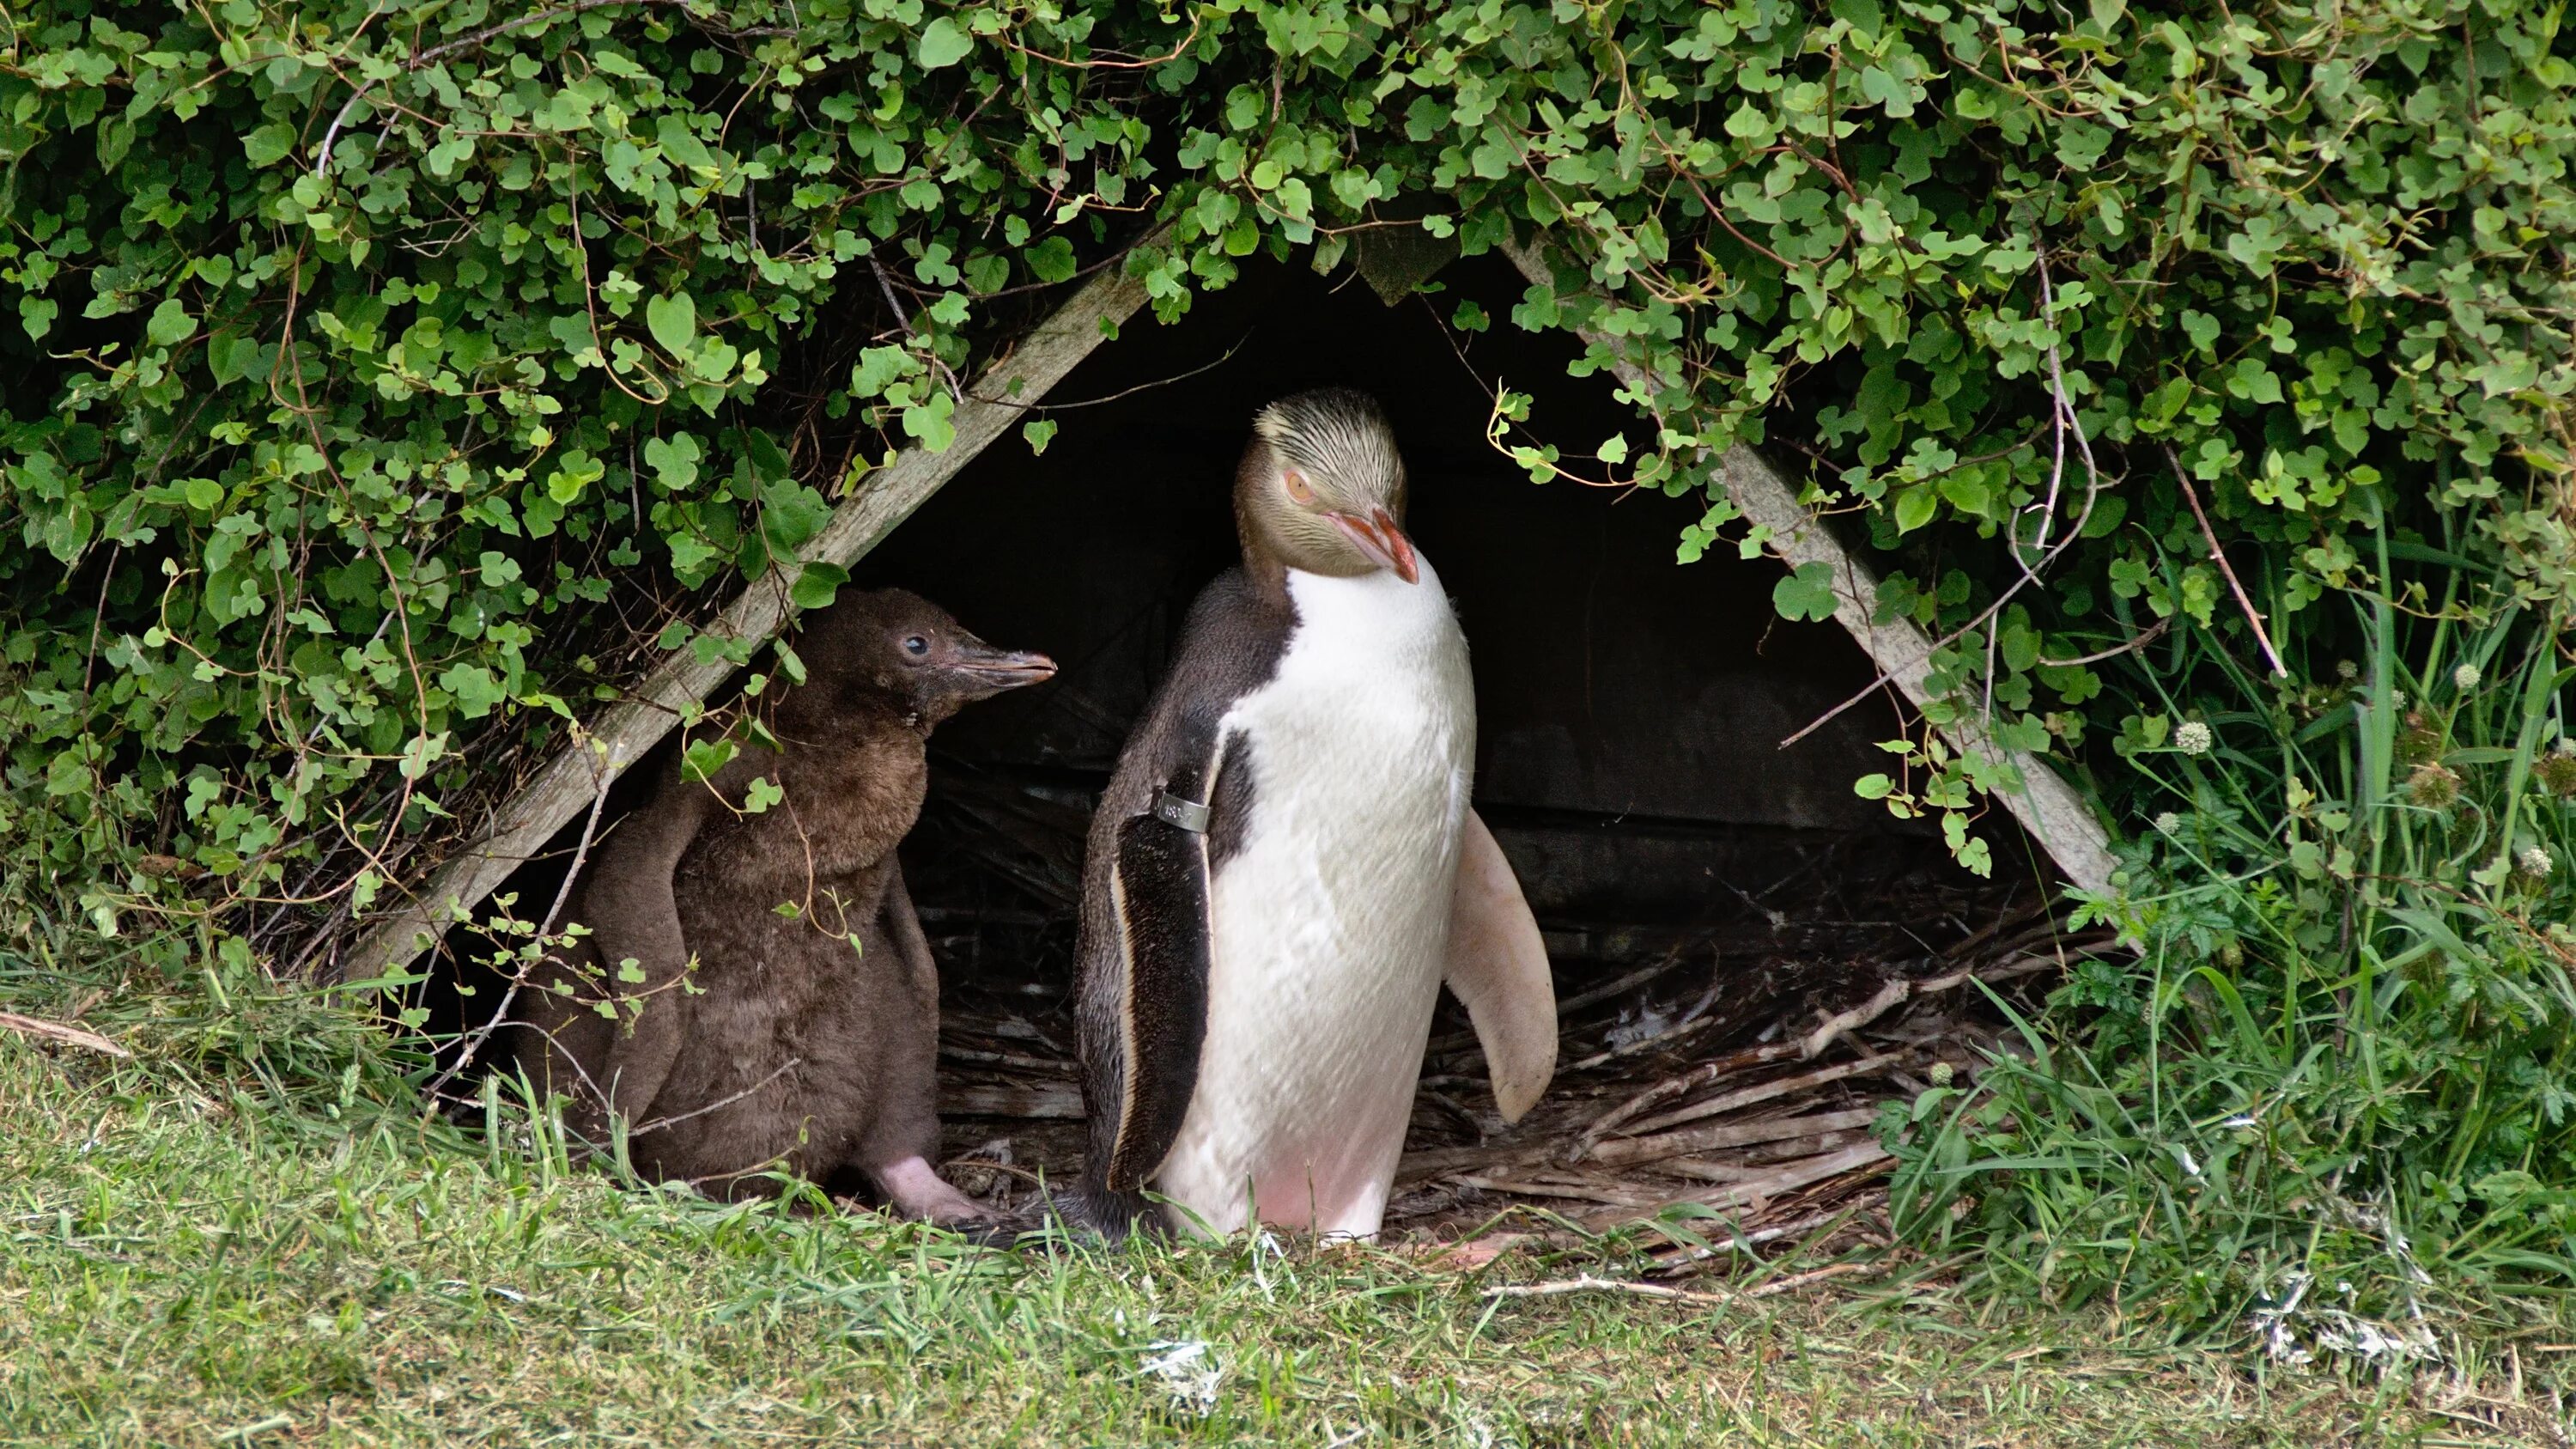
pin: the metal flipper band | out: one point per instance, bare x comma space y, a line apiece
1182, 814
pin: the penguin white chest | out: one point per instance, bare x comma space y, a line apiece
1329, 923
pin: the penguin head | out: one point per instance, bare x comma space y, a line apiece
890, 648
1321, 488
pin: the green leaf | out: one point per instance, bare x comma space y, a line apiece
673, 321
1806, 594
674, 461
476, 692
170, 324
1915, 507
768, 461
205, 494
1039, 432
705, 758
230, 356
1864, 16
1052, 260
681, 144
268, 144
572, 473
818, 584
791, 513
2019, 646
944, 42
760, 795
928, 423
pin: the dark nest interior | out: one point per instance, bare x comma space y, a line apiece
1748, 958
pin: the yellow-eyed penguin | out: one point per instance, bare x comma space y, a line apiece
1284, 867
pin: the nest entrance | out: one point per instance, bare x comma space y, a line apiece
1748, 959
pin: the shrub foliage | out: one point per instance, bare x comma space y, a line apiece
372, 374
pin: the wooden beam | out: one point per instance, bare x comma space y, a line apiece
2045, 804
593, 757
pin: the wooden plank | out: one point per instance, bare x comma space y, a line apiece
2046, 805
594, 757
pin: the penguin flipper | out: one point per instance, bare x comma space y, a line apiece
1497, 966
635, 916
1159, 894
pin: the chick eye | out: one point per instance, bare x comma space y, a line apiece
1299, 491
916, 646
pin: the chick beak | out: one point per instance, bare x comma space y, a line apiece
1381, 541
1000, 669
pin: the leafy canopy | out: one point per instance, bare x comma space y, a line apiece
377, 381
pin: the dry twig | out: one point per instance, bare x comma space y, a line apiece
2218, 556
1589, 1284
68, 1035
658, 1123
1628, 1151
1803, 1173
606, 764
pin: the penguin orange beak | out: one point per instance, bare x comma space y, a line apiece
1381, 541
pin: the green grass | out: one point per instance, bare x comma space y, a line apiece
247, 1235
2336, 1087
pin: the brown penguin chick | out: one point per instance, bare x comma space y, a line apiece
807, 1036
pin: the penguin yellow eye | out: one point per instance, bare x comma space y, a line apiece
1299, 491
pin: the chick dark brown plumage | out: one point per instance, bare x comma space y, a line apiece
806, 1038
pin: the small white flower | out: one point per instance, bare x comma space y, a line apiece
1942, 1072
2346, 669
2168, 823
2565, 746
2466, 677
2536, 863
2194, 738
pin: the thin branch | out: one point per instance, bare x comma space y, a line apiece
501, 1013
1589, 1284
1146, 64
885, 284
2218, 556
2030, 575
2143, 638
658, 1123
1049, 405
1796, 1281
